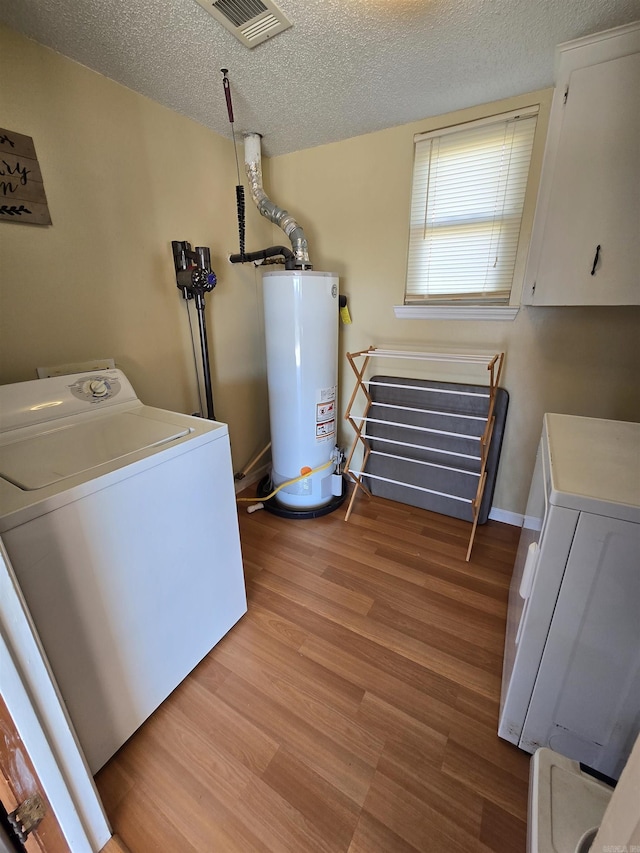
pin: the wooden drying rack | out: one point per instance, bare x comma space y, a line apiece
493, 364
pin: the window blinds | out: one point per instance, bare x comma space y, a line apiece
469, 185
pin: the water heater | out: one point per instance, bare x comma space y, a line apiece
301, 331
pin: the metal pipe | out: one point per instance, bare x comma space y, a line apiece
262, 255
280, 217
206, 373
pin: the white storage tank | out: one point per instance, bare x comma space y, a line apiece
301, 331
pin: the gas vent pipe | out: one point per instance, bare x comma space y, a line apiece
298, 256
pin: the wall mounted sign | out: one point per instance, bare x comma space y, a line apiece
22, 197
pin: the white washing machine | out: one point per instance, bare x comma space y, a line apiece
120, 522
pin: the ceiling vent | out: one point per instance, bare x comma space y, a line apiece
251, 21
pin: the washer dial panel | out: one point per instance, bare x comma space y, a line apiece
95, 388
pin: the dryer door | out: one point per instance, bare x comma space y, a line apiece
587, 693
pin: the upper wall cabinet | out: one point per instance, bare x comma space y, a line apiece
585, 245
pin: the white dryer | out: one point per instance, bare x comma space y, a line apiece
120, 522
571, 674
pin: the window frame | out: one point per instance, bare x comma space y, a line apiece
538, 102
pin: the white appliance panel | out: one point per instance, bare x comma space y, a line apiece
45, 401
131, 589
594, 465
586, 700
528, 624
571, 676
132, 569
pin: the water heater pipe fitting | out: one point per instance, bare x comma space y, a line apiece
280, 217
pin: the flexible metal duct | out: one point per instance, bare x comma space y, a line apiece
280, 217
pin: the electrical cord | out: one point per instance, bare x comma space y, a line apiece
289, 483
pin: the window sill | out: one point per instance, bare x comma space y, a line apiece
456, 312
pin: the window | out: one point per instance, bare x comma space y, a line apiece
469, 185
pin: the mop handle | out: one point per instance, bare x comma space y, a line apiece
227, 93
239, 187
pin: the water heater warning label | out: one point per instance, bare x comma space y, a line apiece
325, 395
325, 413
326, 429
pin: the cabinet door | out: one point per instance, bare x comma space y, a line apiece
594, 199
586, 699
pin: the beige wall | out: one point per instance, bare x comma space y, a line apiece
124, 177
352, 199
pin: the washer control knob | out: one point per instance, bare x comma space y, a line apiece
97, 388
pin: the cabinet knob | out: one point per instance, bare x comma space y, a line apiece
595, 260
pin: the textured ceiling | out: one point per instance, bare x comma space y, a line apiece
346, 67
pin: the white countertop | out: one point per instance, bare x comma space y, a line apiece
594, 462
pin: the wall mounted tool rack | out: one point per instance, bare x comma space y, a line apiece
460, 452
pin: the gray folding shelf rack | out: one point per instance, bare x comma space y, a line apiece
427, 443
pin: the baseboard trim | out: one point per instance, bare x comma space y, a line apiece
514, 518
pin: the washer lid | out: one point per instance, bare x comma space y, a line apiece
44, 459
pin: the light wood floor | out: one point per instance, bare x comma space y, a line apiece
354, 708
